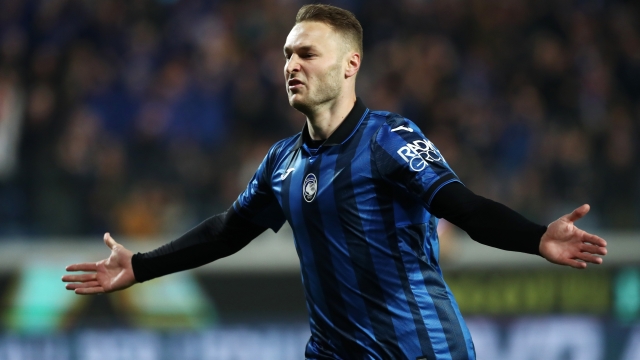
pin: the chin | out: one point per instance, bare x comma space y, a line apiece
298, 103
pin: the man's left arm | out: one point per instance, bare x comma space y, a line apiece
405, 157
496, 225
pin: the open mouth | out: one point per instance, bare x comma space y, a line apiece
294, 83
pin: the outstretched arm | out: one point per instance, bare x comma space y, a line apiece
215, 238
494, 224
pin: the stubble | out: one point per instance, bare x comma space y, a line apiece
326, 88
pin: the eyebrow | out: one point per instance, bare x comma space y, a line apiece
303, 48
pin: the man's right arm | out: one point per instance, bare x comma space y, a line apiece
217, 237
256, 210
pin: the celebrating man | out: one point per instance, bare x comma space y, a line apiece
362, 191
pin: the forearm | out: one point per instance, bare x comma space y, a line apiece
217, 237
487, 221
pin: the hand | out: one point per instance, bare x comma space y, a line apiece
108, 275
564, 244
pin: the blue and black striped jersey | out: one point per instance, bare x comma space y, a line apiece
368, 247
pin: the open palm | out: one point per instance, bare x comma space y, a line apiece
108, 275
566, 244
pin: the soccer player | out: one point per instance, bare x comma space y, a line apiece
362, 191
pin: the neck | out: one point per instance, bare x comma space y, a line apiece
325, 119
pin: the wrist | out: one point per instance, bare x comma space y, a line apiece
137, 267
543, 234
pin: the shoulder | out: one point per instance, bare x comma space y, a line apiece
393, 126
389, 118
284, 146
278, 153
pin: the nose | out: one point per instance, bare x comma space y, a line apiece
292, 65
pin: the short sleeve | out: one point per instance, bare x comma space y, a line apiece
257, 203
406, 158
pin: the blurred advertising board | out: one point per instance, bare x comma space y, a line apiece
519, 338
251, 306
533, 314
35, 301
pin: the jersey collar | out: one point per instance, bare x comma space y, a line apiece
344, 130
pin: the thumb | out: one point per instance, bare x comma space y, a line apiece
109, 241
578, 213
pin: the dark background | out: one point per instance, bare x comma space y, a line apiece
145, 117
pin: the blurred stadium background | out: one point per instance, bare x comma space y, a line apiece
144, 117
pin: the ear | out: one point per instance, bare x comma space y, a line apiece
353, 65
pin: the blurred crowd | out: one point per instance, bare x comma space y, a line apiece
145, 117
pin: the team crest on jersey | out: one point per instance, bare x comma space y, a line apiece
419, 153
310, 187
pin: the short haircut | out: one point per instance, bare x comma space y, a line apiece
340, 20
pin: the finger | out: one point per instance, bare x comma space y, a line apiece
82, 267
79, 278
573, 262
82, 285
593, 249
589, 258
109, 241
595, 240
90, 291
578, 213
576, 264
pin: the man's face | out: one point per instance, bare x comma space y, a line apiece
314, 69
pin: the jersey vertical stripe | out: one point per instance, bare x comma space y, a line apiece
386, 208
313, 291
336, 312
340, 255
319, 292
359, 252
